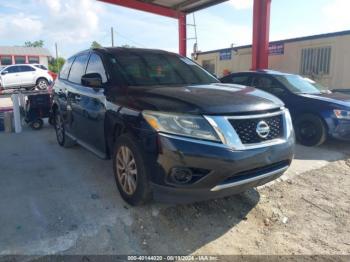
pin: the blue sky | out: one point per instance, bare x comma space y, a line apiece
74, 24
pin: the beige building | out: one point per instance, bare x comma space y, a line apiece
325, 58
10, 55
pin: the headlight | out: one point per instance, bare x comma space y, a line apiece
342, 114
184, 125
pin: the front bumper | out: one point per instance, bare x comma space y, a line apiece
224, 171
341, 130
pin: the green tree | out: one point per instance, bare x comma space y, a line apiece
55, 65
39, 43
95, 44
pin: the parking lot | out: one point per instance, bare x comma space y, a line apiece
64, 201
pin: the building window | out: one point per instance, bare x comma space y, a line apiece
6, 60
315, 61
33, 60
209, 66
20, 59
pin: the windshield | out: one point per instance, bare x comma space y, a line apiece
317, 85
298, 85
147, 69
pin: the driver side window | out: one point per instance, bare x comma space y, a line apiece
268, 84
95, 65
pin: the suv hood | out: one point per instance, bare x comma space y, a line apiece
335, 98
211, 99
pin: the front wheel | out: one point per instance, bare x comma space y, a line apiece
37, 124
310, 130
130, 171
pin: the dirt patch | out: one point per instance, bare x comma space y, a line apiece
307, 215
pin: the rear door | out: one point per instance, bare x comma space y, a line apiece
75, 99
27, 75
61, 88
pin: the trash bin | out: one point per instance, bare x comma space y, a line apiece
2, 127
8, 116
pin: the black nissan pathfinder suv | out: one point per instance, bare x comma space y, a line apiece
174, 131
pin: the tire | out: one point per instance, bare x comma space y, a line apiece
130, 171
42, 84
310, 130
37, 124
62, 139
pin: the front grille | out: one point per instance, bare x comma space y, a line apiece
247, 128
256, 172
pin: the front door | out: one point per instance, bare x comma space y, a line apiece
11, 78
87, 105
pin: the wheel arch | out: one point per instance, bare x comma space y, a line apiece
41, 77
316, 114
114, 127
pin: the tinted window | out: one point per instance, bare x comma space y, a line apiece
267, 84
20, 59
66, 68
238, 79
12, 69
6, 60
95, 65
26, 69
78, 68
33, 59
41, 67
142, 69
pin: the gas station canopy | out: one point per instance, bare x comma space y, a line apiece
178, 9
171, 8
185, 6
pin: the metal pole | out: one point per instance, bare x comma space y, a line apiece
56, 56
112, 36
16, 113
182, 34
261, 29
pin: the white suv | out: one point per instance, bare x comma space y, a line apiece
24, 75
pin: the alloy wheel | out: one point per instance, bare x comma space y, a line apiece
59, 128
126, 170
42, 85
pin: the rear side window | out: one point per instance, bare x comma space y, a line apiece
241, 80
95, 65
78, 68
65, 69
26, 69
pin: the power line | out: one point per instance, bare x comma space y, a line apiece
118, 34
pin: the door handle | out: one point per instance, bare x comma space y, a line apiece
77, 98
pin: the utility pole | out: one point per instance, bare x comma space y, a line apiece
56, 56
112, 36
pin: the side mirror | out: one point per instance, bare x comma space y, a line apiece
93, 80
4, 72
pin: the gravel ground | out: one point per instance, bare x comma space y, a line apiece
309, 215
59, 201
